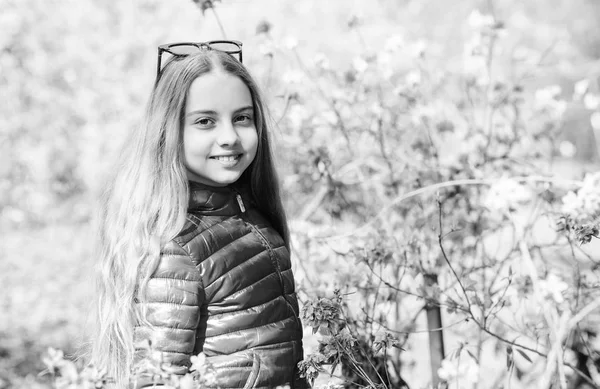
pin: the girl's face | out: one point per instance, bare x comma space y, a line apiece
219, 134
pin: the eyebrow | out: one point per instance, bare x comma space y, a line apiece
214, 113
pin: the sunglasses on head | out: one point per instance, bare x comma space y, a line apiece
182, 49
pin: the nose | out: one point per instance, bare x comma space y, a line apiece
227, 135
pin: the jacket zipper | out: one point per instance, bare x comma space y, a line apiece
266, 243
240, 202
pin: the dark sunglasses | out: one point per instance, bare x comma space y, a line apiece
182, 49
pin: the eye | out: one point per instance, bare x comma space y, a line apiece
243, 119
204, 122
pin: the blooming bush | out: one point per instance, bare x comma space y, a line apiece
431, 194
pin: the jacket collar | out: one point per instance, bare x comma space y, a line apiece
216, 201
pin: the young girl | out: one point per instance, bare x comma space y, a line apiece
194, 245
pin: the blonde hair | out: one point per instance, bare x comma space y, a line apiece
145, 204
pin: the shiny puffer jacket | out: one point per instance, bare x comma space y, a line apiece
224, 286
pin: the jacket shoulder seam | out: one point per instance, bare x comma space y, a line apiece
166, 351
169, 303
189, 255
164, 326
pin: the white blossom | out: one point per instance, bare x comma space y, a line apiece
290, 43
418, 48
292, 76
567, 149
591, 101
267, 49
385, 63
413, 78
506, 193
393, 43
595, 121
421, 113
586, 202
359, 64
459, 373
547, 100
545, 96
553, 288
581, 87
296, 116
478, 20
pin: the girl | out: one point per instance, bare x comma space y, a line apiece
194, 245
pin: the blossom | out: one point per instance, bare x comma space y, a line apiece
553, 288
591, 101
478, 20
296, 116
505, 193
586, 202
290, 43
581, 87
595, 120
359, 64
384, 65
393, 43
459, 373
377, 109
421, 113
267, 49
418, 48
413, 78
547, 100
292, 77
546, 95
567, 149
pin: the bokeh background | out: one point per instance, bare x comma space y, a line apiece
75, 76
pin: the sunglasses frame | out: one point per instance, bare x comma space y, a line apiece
200, 45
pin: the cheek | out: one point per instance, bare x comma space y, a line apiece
194, 144
253, 143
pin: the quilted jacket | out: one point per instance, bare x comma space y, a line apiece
224, 286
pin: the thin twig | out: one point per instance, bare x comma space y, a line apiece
219, 22
440, 242
430, 188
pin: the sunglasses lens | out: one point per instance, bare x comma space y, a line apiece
183, 49
227, 47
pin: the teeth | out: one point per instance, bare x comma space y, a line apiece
227, 158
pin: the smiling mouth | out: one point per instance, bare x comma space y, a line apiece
227, 158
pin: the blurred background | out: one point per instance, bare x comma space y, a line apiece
75, 76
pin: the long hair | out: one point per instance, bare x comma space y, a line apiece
145, 202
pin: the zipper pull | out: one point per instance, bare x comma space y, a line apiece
240, 202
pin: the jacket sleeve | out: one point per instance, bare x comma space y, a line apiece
173, 300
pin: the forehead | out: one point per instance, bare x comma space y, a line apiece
218, 91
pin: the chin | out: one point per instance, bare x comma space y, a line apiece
223, 181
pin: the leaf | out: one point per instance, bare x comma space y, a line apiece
472, 356
377, 346
333, 366
524, 355
509, 361
509, 358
